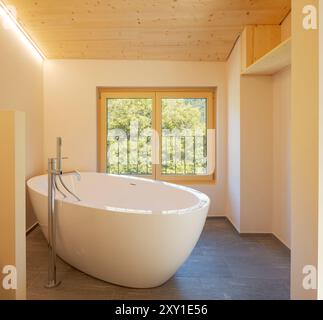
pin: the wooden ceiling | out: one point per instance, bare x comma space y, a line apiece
197, 30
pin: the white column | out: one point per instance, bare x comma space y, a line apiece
320, 232
12, 203
304, 151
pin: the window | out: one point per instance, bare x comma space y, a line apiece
161, 134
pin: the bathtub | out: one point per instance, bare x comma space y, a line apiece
128, 231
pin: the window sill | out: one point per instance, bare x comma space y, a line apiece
189, 181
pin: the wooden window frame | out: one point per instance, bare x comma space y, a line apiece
156, 94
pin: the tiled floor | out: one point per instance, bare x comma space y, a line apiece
224, 265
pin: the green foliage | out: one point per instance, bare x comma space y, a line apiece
178, 116
121, 112
182, 114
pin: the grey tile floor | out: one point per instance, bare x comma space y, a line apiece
224, 265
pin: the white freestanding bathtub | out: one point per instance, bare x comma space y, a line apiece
128, 231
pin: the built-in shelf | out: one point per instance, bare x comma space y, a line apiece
275, 60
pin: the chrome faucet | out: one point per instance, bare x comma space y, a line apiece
74, 173
55, 172
60, 173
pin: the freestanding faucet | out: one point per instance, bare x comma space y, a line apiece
55, 173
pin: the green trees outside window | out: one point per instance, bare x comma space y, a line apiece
183, 141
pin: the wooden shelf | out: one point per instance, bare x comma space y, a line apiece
275, 60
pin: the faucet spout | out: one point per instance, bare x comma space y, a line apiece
67, 189
72, 173
59, 170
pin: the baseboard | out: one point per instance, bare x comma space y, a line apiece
281, 240
255, 233
216, 217
233, 224
33, 227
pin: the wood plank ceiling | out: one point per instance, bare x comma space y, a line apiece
196, 30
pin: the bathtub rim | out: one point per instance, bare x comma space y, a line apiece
203, 200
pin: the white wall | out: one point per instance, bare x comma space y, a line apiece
281, 153
21, 86
256, 153
250, 148
70, 105
320, 232
233, 149
12, 199
304, 150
